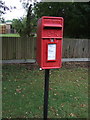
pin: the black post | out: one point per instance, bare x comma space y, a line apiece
46, 88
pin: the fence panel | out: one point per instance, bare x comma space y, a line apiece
18, 49
75, 48
24, 48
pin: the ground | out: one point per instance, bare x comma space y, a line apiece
23, 89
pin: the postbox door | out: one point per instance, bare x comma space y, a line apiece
51, 53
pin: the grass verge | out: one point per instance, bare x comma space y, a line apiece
23, 90
9, 35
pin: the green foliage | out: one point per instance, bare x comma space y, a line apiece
76, 16
25, 26
19, 25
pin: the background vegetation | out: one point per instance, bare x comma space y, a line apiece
76, 17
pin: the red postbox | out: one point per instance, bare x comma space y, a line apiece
49, 42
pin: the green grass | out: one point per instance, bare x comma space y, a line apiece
23, 89
9, 35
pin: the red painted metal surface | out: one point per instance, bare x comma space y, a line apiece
49, 42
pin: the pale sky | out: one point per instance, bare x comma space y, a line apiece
15, 13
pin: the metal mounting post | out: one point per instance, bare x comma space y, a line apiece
46, 89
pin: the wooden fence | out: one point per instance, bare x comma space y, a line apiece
23, 48
75, 48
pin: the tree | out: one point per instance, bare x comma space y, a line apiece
19, 25
76, 16
3, 8
25, 26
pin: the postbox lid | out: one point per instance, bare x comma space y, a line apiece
52, 21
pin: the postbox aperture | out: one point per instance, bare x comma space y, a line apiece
49, 42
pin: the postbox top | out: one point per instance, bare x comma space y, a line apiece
51, 17
52, 21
